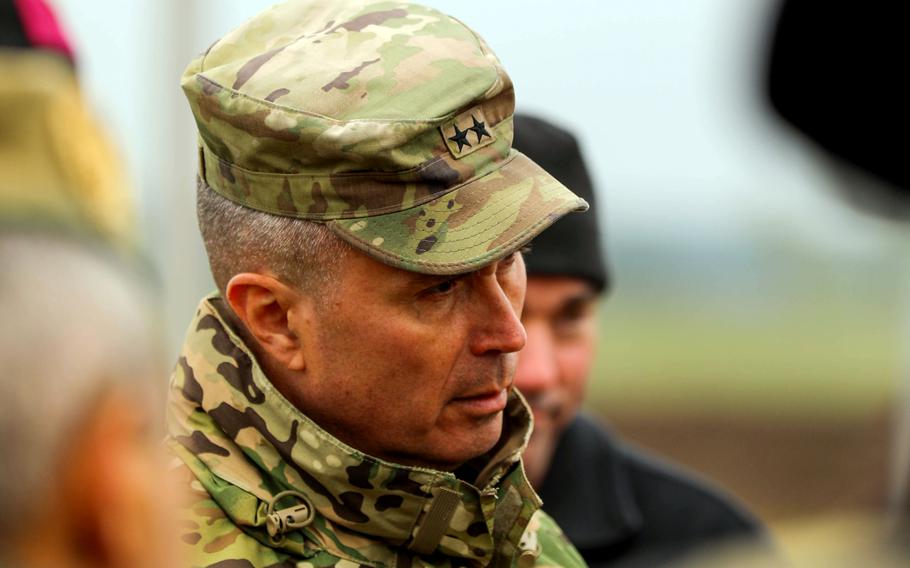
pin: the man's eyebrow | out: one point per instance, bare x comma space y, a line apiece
420, 279
579, 300
417, 279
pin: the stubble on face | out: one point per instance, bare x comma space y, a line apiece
553, 368
413, 369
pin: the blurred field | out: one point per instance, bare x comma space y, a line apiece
770, 370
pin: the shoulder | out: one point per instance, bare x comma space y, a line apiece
617, 502
553, 548
660, 498
676, 501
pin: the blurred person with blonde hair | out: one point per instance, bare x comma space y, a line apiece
81, 473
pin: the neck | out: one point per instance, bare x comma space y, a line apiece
537, 457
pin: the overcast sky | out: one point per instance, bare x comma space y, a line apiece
664, 95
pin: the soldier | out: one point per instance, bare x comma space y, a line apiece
619, 506
344, 398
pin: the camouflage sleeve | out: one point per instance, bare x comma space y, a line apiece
555, 550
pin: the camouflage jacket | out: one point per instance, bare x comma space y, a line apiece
271, 488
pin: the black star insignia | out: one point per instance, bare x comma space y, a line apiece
479, 129
460, 138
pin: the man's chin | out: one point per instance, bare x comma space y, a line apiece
544, 418
451, 448
473, 443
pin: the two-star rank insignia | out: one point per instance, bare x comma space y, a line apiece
467, 133
460, 138
479, 128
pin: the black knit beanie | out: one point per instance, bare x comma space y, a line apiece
571, 247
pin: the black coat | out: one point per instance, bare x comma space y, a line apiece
621, 507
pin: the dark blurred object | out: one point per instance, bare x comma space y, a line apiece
12, 34
834, 73
32, 24
571, 247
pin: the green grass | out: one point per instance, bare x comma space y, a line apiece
822, 354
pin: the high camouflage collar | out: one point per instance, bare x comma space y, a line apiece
246, 444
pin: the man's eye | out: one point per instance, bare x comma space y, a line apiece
566, 329
573, 319
509, 260
573, 315
442, 288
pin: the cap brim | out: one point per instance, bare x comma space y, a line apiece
468, 227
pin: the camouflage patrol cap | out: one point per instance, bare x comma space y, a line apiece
389, 122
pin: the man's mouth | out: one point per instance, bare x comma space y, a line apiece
544, 407
483, 403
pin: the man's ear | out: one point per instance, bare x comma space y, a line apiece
262, 303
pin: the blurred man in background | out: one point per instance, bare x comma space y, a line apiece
619, 506
81, 471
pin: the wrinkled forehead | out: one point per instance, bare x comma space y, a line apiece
364, 271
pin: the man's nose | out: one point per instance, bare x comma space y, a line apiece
499, 328
537, 370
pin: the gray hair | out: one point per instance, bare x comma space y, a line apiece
237, 239
72, 325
